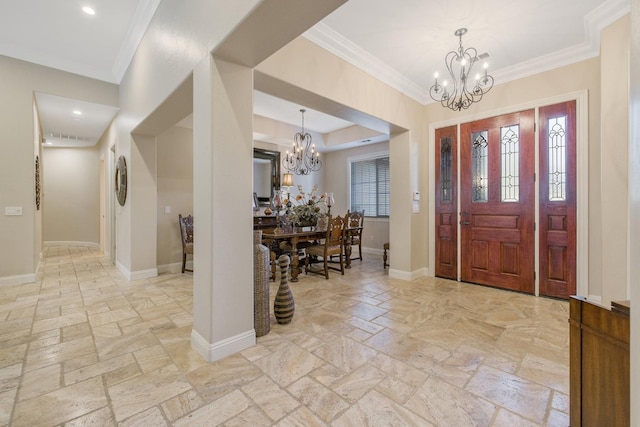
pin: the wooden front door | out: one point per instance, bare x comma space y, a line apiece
558, 200
497, 201
446, 202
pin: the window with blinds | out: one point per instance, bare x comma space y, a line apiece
370, 187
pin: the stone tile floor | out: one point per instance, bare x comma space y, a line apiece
83, 346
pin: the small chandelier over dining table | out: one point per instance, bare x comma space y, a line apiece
304, 158
460, 64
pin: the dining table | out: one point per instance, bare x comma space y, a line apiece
294, 238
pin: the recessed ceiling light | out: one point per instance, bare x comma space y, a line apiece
77, 112
88, 10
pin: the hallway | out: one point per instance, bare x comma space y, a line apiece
83, 346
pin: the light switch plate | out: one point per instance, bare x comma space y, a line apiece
13, 210
167, 209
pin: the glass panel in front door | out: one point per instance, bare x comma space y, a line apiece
510, 163
557, 158
480, 166
445, 168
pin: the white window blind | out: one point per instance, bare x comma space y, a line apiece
370, 187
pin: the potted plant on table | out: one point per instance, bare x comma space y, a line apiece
307, 208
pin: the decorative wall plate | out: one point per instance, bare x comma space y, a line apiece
37, 182
121, 180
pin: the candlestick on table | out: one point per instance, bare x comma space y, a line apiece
330, 202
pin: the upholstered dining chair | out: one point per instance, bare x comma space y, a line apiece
355, 223
332, 245
186, 231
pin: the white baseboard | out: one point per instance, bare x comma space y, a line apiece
136, 275
421, 272
372, 251
144, 274
408, 275
174, 267
17, 280
226, 347
72, 243
124, 270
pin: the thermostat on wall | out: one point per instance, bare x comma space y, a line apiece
13, 210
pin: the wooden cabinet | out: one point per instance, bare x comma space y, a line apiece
599, 364
264, 222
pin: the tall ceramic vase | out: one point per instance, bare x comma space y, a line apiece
284, 305
261, 316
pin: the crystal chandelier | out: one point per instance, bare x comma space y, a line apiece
304, 159
461, 93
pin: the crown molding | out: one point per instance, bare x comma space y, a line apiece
328, 39
139, 24
602, 16
594, 22
554, 60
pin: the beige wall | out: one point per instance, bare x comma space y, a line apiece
18, 81
71, 186
105, 145
175, 190
376, 230
614, 158
634, 211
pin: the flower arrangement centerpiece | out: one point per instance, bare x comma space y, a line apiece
307, 207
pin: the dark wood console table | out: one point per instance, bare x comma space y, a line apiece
264, 222
599, 364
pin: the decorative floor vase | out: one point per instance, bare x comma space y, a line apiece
261, 315
284, 305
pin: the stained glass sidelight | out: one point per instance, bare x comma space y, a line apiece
510, 163
445, 169
557, 158
480, 166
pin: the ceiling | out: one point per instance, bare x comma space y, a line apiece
400, 45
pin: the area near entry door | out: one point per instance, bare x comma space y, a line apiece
497, 204
497, 201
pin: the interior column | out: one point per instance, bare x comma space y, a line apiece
222, 167
401, 219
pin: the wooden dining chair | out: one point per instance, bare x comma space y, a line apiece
333, 245
355, 224
186, 231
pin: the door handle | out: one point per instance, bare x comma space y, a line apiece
462, 217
